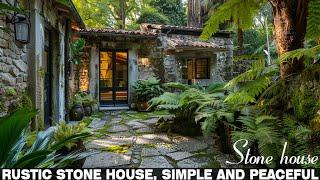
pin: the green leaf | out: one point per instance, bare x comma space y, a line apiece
11, 128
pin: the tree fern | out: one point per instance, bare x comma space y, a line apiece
246, 88
299, 53
260, 131
313, 22
241, 11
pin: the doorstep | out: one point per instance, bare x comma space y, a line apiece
113, 108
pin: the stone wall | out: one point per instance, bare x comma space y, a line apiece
13, 69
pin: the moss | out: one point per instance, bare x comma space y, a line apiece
149, 146
103, 131
212, 164
10, 91
303, 102
119, 149
98, 115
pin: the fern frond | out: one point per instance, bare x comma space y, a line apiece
176, 85
241, 11
313, 21
299, 53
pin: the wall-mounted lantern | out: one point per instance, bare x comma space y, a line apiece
21, 23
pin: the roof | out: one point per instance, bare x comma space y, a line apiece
170, 27
180, 30
65, 8
116, 32
179, 43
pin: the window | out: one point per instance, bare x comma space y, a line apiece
198, 68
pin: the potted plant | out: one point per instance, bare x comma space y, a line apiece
145, 91
65, 131
88, 103
77, 111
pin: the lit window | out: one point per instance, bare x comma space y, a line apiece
198, 68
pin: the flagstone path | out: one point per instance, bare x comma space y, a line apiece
127, 139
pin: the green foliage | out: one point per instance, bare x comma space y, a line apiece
152, 16
313, 21
77, 50
65, 131
260, 131
203, 106
11, 128
312, 53
247, 87
233, 9
41, 151
83, 98
173, 9
147, 89
108, 13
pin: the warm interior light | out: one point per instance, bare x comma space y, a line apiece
145, 62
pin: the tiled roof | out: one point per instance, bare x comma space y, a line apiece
177, 43
115, 32
161, 26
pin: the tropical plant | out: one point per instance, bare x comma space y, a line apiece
152, 16
41, 153
285, 15
76, 48
173, 9
65, 131
147, 89
262, 135
246, 88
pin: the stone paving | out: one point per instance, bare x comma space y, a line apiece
124, 141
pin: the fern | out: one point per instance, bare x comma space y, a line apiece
299, 53
247, 87
175, 85
241, 11
313, 21
260, 131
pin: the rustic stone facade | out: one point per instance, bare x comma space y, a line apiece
152, 54
38, 68
13, 69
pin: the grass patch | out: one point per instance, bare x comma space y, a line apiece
98, 115
212, 164
119, 149
103, 131
149, 146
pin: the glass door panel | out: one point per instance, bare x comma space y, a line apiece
106, 77
113, 78
121, 79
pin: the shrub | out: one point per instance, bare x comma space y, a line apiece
147, 89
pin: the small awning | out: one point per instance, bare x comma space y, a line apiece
176, 43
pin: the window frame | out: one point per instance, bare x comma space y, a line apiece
195, 68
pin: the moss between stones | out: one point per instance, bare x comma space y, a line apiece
119, 149
103, 131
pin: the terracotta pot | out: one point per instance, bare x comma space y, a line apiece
77, 113
87, 110
142, 106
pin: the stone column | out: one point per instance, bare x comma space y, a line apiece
133, 73
35, 61
94, 72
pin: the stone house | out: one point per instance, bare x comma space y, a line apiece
38, 67
116, 59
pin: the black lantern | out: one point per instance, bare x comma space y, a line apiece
22, 28
21, 23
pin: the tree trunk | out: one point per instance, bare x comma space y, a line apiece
290, 21
240, 42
